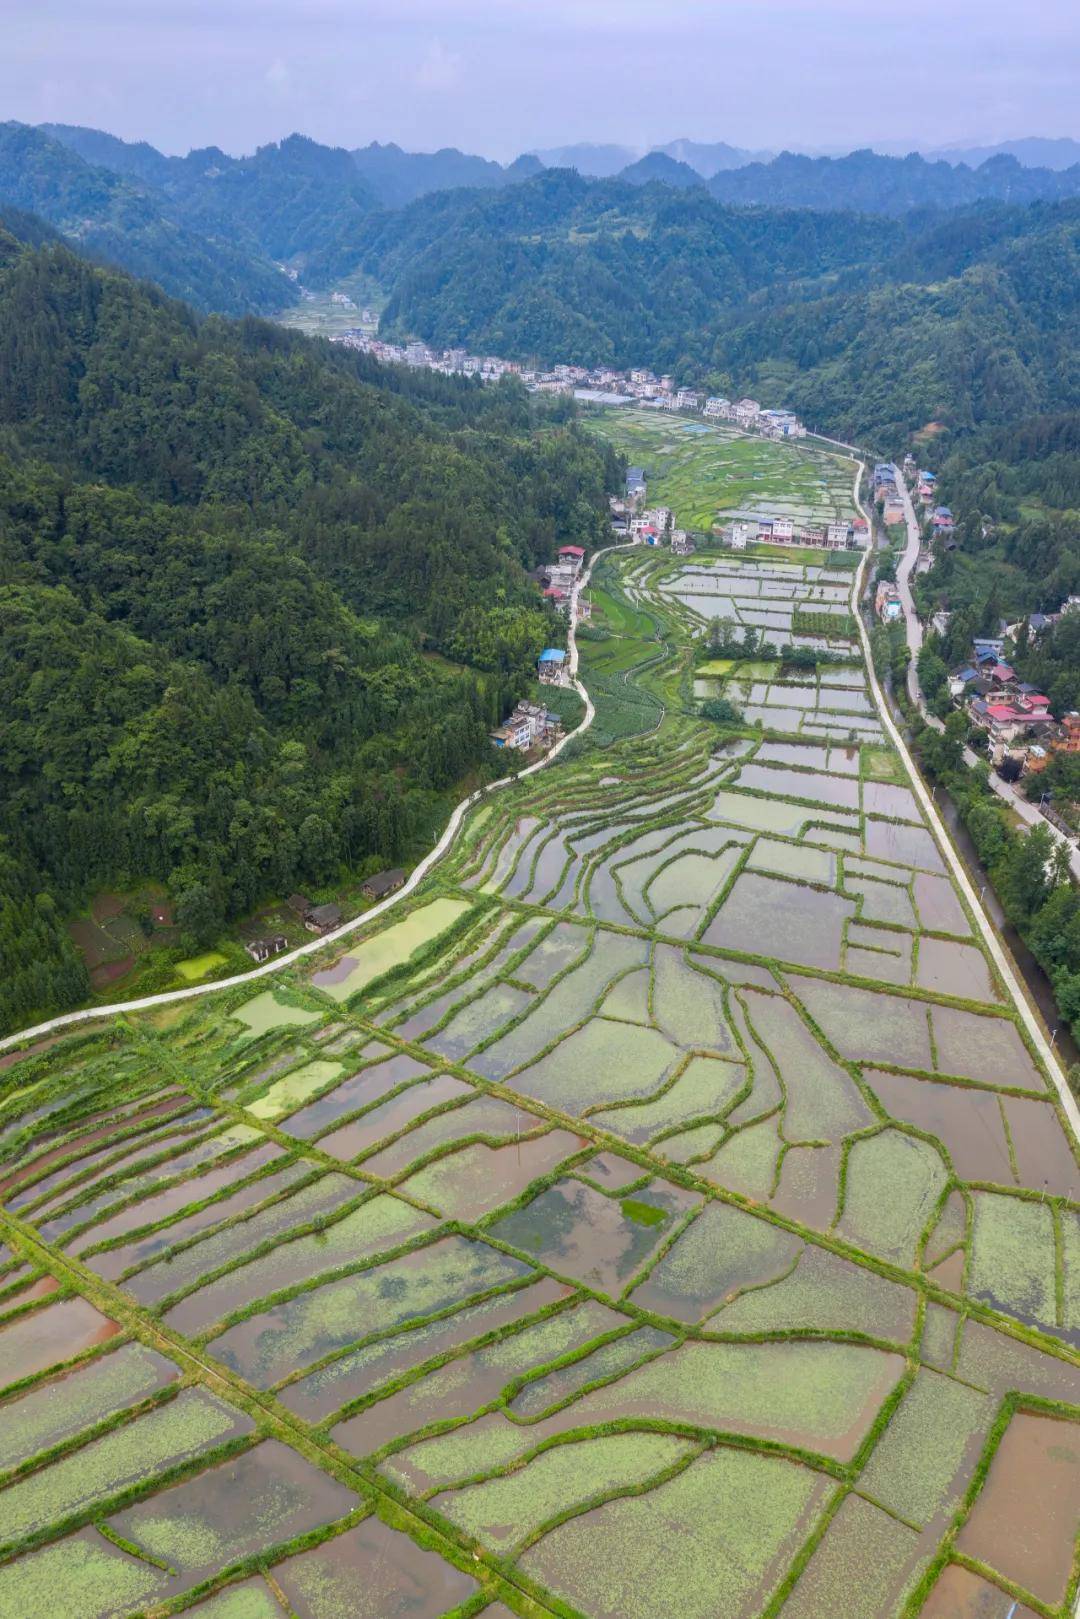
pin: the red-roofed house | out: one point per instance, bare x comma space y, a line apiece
1006, 720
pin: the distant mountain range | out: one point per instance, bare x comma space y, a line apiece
234, 234
603, 162
869, 183
1036, 152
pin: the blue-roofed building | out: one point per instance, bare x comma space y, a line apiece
550, 665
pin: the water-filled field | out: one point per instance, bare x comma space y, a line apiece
706, 471
660, 1212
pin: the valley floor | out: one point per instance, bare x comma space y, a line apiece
664, 1210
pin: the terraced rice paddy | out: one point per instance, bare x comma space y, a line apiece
704, 472
661, 1212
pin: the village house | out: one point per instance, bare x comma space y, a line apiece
1005, 721
262, 949
322, 918
961, 679
1063, 738
887, 604
595, 385
551, 665
635, 482
571, 556
681, 543
781, 424
383, 883
529, 724
563, 573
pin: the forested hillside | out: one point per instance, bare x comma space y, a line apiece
225, 554
964, 320
121, 221
562, 268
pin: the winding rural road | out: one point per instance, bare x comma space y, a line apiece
68, 1020
94, 1014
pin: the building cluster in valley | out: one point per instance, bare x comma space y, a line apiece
531, 725
591, 385
1017, 718
557, 580
632, 519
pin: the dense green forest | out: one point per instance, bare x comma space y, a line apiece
210, 228
225, 555
116, 220
562, 268
962, 321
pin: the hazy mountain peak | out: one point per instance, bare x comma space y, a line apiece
659, 166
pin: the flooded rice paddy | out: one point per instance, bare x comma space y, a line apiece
664, 1201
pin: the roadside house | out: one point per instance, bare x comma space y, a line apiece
323, 918
383, 883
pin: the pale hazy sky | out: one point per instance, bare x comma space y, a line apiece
503, 76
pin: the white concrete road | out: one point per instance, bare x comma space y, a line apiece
95, 1014
1042, 1045
1001, 959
